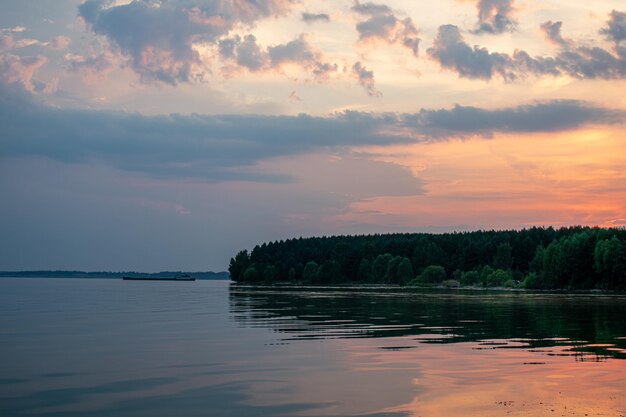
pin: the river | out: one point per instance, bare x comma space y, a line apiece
88, 347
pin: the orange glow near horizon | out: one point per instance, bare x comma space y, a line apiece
507, 182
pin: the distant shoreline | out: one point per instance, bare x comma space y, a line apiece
199, 275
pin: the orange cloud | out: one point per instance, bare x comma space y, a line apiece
508, 182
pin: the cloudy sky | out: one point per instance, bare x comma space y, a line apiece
168, 134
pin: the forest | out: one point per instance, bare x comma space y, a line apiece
536, 258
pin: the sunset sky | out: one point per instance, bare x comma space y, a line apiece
169, 134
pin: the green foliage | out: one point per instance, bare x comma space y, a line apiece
405, 271
270, 273
251, 274
238, 266
568, 262
504, 256
575, 257
329, 273
380, 266
391, 275
485, 274
498, 278
310, 272
470, 278
433, 274
536, 264
609, 260
365, 270
531, 281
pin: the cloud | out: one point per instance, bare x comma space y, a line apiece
294, 96
15, 29
495, 16
246, 53
366, 79
616, 27
6, 42
93, 68
158, 38
12, 39
59, 43
315, 17
298, 50
228, 147
552, 32
381, 24
453, 53
21, 70
550, 116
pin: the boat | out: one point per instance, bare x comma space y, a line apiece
181, 277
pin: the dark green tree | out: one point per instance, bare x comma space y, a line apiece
365, 270
238, 266
270, 273
310, 272
405, 271
329, 273
291, 275
251, 274
504, 257
391, 275
470, 278
433, 274
572, 257
379, 267
609, 261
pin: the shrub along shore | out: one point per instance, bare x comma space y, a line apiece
535, 258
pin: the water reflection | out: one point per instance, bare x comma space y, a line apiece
466, 353
586, 327
112, 348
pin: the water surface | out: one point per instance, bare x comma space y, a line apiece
119, 348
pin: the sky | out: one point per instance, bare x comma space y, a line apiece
169, 134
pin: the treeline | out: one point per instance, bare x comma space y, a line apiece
538, 258
111, 275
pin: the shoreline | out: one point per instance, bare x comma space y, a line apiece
409, 289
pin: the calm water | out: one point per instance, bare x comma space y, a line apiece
116, 348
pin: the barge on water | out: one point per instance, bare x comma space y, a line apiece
184, 277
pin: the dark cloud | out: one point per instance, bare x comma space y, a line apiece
552, 32
371, 9
315, 17
226, 147
247, 54
298, 50
212, 147
495, 16
551, 116
157, 37
366, 79
382, 24
94, 67
616, 27
453, 53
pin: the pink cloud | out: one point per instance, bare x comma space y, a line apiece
21, 70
